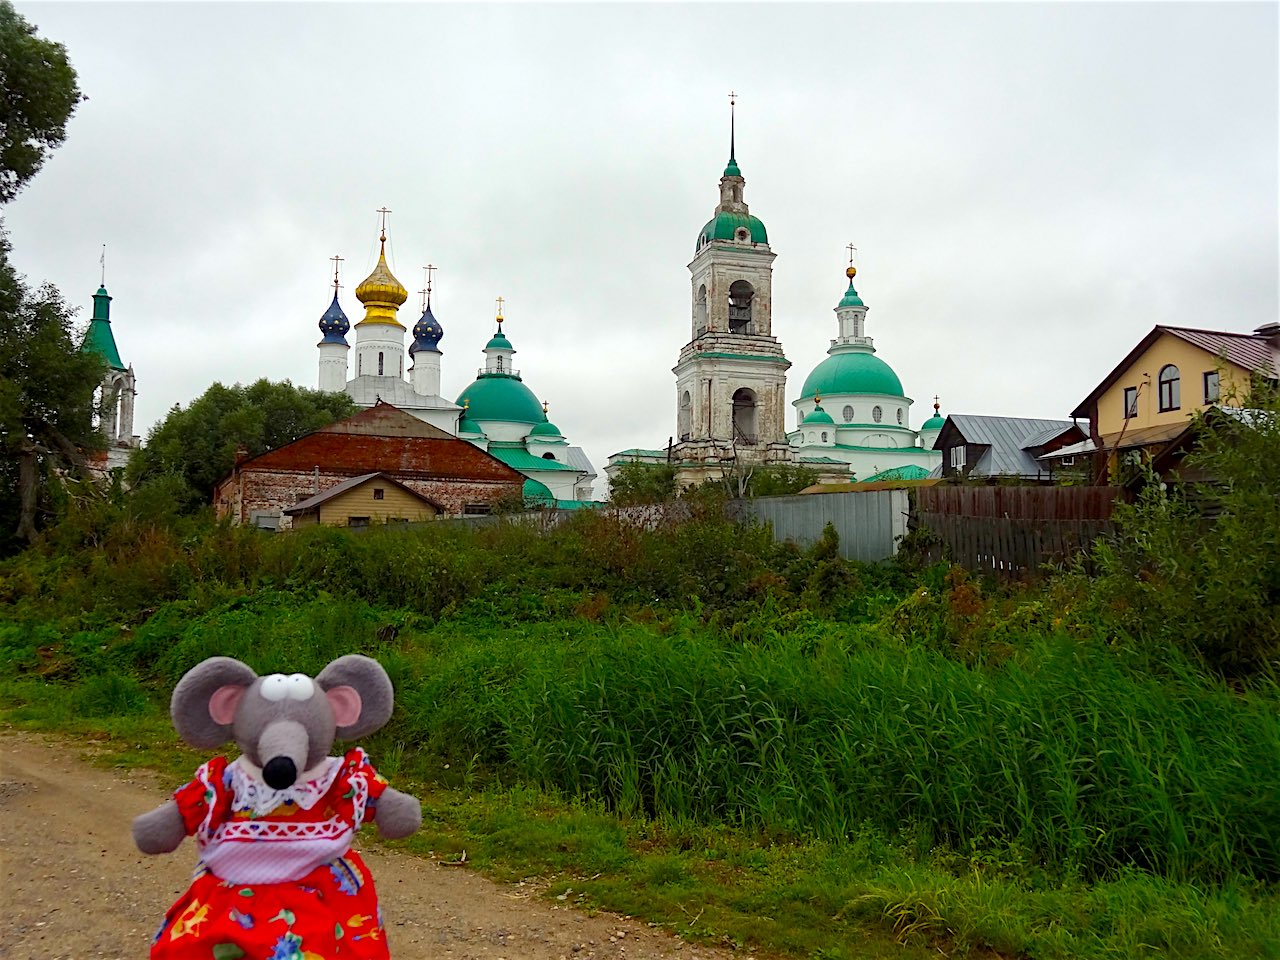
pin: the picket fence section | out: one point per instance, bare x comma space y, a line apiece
1013, 531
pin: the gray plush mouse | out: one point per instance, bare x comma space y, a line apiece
277, 879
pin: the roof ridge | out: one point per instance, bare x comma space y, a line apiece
1216, 333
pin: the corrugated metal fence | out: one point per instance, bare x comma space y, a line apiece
869, 524
1011, 531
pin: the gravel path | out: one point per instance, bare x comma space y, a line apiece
75, 888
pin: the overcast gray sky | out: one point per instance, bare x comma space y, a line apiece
1031, 186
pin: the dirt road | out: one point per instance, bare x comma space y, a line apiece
74, 887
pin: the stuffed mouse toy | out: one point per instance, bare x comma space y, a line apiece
277, 878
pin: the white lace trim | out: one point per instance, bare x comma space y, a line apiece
334, 828
250, 793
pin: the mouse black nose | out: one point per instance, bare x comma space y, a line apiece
279, 773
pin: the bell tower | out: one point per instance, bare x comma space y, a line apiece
731, 376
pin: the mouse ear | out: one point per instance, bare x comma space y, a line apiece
372, 686
204, 701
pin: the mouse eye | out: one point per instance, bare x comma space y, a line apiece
275, 687
300, 686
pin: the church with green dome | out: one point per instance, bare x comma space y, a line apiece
853, 419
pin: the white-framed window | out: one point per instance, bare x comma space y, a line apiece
899, 416
877, 414
379, 363
824, 436
956, 457
847, 413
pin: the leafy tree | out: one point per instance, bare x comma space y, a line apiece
198, 444
781, 480
638, 482
46, 402
38, 93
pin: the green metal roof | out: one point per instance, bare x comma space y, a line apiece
518, 458
98, 338
500, 397
725, 225
933, 423
910, 472
499, 341
852, 372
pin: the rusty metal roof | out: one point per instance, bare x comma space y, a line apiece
384, 439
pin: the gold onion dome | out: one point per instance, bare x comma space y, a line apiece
380, 292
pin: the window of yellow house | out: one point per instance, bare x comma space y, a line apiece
357, 521
1170, 388
1211, 386
379, 493
1130, 402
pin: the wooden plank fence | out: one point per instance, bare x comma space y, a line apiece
1012, 531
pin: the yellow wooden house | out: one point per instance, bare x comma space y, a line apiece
1144, 403
373, 498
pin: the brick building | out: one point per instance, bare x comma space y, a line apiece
451, 473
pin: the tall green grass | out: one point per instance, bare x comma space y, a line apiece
1065, 757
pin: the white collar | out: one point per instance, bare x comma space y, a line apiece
252, 793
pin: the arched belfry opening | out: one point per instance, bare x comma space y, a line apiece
741, 293
744, 416
700, 310
684, 421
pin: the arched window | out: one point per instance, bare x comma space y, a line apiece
899, 415
1170, 388
379, 363
700, 309
848, 414
499, 364
824, 436
877, 414
744, 415
685, 418
548, 456
741, 294
359, 364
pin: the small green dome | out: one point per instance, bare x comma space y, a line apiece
468, 427
537, 492
501, 397
817, 416
852, 372
499, 342
935, 422
732, 169
725, 226
851, 298
546, 429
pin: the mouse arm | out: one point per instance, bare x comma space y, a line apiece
160, 831
397, 814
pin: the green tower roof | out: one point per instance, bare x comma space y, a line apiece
818, 416
851, 298
98, 338
724, 226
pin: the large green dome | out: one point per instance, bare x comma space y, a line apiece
852, 372
725, 227
500, 397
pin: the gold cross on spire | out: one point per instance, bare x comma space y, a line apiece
336, 285
852, 250
500, 302
383, 211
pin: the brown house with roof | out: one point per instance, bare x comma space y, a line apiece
453, 476
1144, 403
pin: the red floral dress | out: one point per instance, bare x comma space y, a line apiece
277, 878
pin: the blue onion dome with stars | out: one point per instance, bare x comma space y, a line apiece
334, 324
427, 333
